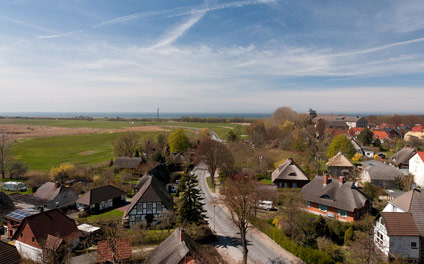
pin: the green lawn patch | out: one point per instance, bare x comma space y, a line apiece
108, 216
266, 181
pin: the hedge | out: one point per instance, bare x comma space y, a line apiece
308, 255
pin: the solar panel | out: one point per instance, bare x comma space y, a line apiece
21, 214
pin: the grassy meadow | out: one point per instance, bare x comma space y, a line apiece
43, 153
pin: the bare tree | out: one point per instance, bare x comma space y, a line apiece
215, 154
126, 144
241, 199
112, 232
4, 152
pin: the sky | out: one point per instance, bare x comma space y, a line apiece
248, 56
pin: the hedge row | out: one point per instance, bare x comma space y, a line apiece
308, 255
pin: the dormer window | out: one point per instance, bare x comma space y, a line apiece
292, 174
326, 196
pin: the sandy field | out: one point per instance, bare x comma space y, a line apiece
25, 131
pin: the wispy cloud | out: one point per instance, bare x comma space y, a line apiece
182, 11
20, 22
58, 35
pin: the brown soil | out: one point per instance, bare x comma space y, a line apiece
25, 131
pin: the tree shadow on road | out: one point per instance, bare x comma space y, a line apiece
227, 241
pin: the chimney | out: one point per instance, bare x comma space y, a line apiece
341, 179
182, 235
291, 160
406, 146
57, 184
325, 180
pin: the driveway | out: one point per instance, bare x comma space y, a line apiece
261, 249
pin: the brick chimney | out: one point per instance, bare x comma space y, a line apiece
182, 235
325, 180
341, 179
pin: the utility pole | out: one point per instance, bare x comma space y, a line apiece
157, 113
214, 217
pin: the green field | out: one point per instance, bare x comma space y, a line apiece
41, 154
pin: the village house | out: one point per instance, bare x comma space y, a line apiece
178, 248
410, 136
9, 254
346, 122
289, 175
159, 172
15, 218
339, 165
393, 133
335, 198
380, 135
135, 164
52, 195
45, 230
401, 158
416, 167
355, 131
384, 176
399, 229
417, 128
150, 204
101, 198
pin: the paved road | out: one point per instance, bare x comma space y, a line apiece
259, 248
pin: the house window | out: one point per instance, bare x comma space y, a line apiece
294, 185
149, 208
308, 204
322, 207
22, 235
342, 213
33, 239
159, 207
414, 245
357, 214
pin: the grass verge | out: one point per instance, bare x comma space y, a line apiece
108, 216
209, 181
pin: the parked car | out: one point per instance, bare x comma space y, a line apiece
266, 205
14, 186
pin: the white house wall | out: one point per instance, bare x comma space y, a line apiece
416, 167
382, 243
392, 208
29, 252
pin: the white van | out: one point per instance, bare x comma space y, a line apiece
14, 186
266, 205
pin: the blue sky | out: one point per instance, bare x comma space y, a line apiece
211, 56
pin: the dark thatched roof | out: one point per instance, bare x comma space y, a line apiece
289, 170
100, 194
6, 204
384, 172
343, 196
402, 156
127, 163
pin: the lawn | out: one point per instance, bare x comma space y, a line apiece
108, 216
41, 154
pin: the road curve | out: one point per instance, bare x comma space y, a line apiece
261, 249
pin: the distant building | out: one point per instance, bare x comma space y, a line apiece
150, 204
101, 198
6, 204
159, 172
380, 135
344, 122
135, 164
46, 230
52, 195
401, 158
335, 198
339, 165
289, 175
409, 136
416, 167
382, 175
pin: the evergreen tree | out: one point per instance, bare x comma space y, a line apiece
366, 136
191, 206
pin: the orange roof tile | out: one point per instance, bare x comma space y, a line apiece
380, 135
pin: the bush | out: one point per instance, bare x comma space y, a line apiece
308, 255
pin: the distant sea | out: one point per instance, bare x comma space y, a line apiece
133, 114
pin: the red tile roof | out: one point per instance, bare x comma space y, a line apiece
53, 222
380, 135
123, 250
421, 154
417, 128
355, 130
